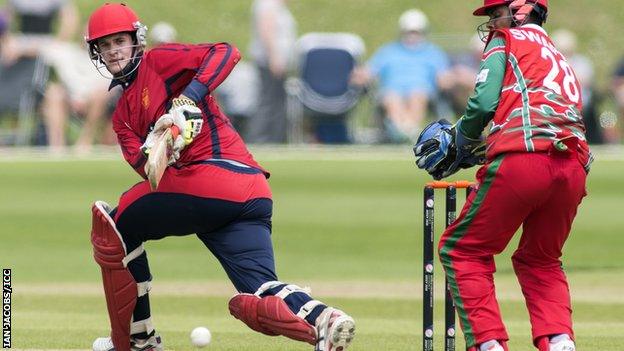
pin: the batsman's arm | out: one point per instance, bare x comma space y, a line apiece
484, 101
215, 66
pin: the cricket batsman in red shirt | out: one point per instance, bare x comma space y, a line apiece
536, 163
213, 188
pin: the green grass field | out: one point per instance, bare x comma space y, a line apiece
347, 223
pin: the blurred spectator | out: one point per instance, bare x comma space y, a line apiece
34, 33
76, 88
464, 69
272, 45
410, 72
34, 22
566, 42
238, 96
80, 90
161, 33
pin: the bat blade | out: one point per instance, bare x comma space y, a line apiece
158, 158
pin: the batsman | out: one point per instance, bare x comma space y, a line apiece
212, 188
536, 163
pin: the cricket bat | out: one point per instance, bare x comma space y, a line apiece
158, 158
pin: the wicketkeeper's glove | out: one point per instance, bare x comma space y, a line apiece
467, 152
433, 147
442, 150
187, 117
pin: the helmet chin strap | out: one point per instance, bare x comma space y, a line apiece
133, 64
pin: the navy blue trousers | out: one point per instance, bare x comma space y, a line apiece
237, 234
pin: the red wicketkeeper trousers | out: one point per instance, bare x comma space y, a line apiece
541, 193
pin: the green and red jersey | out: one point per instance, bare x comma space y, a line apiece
528, 92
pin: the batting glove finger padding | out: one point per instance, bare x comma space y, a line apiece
467, 152
187, 117
178, 145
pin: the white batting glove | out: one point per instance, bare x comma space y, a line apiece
187, 117
165, 121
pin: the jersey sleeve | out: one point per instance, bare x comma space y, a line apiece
484, 101
212, 63
130, 144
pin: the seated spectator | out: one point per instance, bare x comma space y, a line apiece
75, 89
79, 91
34, 32
409, 72
566, 42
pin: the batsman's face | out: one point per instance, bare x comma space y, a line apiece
116, 50
500, 17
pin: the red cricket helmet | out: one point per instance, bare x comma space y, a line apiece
110, 19
487, 4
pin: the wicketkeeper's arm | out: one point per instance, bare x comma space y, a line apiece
483, 103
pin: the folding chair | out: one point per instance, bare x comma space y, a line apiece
21, 87
322, 91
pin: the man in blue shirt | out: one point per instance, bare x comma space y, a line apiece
409, 73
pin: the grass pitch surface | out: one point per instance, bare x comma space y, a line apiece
347, 223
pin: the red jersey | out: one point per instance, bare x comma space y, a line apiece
540, 101
163, 74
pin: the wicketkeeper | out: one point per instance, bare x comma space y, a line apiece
536, 163
213, 188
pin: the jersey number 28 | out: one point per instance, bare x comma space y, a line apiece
570, 86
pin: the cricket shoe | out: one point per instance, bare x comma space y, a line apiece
562, 345
334, 329
153, 343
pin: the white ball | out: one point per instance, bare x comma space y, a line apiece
200, 336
